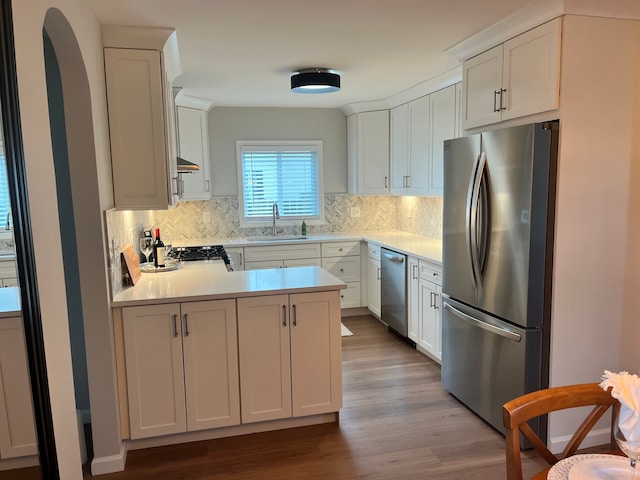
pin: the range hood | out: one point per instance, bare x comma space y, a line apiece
185, 166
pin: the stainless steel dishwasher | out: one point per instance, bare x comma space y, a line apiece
393, 293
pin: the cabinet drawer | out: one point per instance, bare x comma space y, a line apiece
374, 251
340, 249
263, 264
282, 252
346, 269
303, 262
430, 272
350, 297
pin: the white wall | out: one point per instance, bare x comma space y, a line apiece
596, 279
228, 124
29, 18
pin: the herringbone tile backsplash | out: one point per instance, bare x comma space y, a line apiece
218, 218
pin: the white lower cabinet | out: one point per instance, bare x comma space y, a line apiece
282, 256
17, 427
290, 355
342, 259
236, 256
8, 275
430, 310
373, 286
297, 262
182, 367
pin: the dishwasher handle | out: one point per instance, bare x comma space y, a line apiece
394, 257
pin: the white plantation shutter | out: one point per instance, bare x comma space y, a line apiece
5, 204
284, 174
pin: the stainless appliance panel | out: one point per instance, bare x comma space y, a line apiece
393, 290
503, 289
487, 362
461, 157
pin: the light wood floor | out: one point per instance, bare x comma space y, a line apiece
396, 423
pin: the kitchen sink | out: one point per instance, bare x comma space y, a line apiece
277, 238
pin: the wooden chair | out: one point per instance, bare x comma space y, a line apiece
519, 411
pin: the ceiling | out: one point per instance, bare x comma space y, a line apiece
242, 52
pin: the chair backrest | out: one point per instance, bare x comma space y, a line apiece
519, 411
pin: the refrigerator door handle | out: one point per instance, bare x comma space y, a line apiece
485, 326
473, 216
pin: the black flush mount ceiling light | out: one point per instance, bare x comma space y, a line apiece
315, 80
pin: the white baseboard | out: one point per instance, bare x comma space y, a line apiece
110, 464
594, 438
19, 462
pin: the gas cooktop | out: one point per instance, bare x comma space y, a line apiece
200, 253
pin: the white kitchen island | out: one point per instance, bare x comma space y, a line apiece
205, 353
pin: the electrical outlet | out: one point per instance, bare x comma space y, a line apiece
206, 217
355, 212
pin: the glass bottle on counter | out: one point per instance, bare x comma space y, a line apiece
158, 250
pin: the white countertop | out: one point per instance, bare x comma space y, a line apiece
195, 281
10, 302
416, 245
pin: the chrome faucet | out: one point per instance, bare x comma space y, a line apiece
274, 214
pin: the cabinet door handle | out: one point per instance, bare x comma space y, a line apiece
386, 182
414, 271
186, 325
295, 316
208, 187
240, 258
408, 181
495, 100
284, 315
432, 301
503, 93
175, 325
342, 270
378, 273
435, 301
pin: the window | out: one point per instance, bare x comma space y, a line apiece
5, 204
286, 173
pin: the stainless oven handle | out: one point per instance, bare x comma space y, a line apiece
485, 326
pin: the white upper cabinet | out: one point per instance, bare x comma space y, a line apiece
441, 127
418, 131
520, 77
410, 147
193, 145
140, 108
368, 153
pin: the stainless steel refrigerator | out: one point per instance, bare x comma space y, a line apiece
498, 224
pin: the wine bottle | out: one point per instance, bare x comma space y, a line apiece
158, 250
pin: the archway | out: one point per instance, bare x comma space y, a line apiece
89, 243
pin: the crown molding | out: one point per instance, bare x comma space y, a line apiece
360, 107
193, 102
149, 38
528, 17
536, 13
420, 90
434, 84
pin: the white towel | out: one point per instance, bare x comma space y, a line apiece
626, 388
